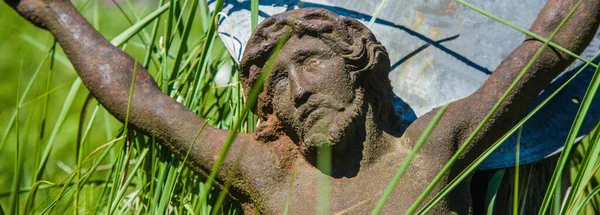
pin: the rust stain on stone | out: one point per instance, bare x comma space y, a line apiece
434, 33
419, 19
449, 8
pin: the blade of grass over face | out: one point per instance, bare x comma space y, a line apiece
409, 158
250, 103
469, 139
562, 163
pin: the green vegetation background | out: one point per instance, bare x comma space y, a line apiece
49, 120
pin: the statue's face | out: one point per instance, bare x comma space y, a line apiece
311, 100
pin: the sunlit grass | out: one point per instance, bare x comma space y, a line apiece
128, 172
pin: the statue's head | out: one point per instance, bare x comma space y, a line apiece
323, 79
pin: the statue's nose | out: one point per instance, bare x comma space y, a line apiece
299, 88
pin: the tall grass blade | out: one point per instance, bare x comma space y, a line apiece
16, 180
127, 182
21, 100
30, 197
184, 37
516, 176
204, 15
289, 198
230, 175
57, 127
562, 163
324, 180
589, 165
493, 185
253, 14
591, 181
587, 199
207, 46
150, 45
134, 29
61, 58
107, 147
374, 17
409, 158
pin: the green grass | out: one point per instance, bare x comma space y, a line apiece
62, 153
108, 168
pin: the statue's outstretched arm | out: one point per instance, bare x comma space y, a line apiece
107, 72
463, 116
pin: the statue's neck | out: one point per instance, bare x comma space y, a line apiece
367, 143
377, 141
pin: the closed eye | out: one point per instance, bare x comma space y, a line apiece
302, 55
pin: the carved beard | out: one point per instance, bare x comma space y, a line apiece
341, 125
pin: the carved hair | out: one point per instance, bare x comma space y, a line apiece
367, 60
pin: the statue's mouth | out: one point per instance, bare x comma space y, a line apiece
316, 108
312, 118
